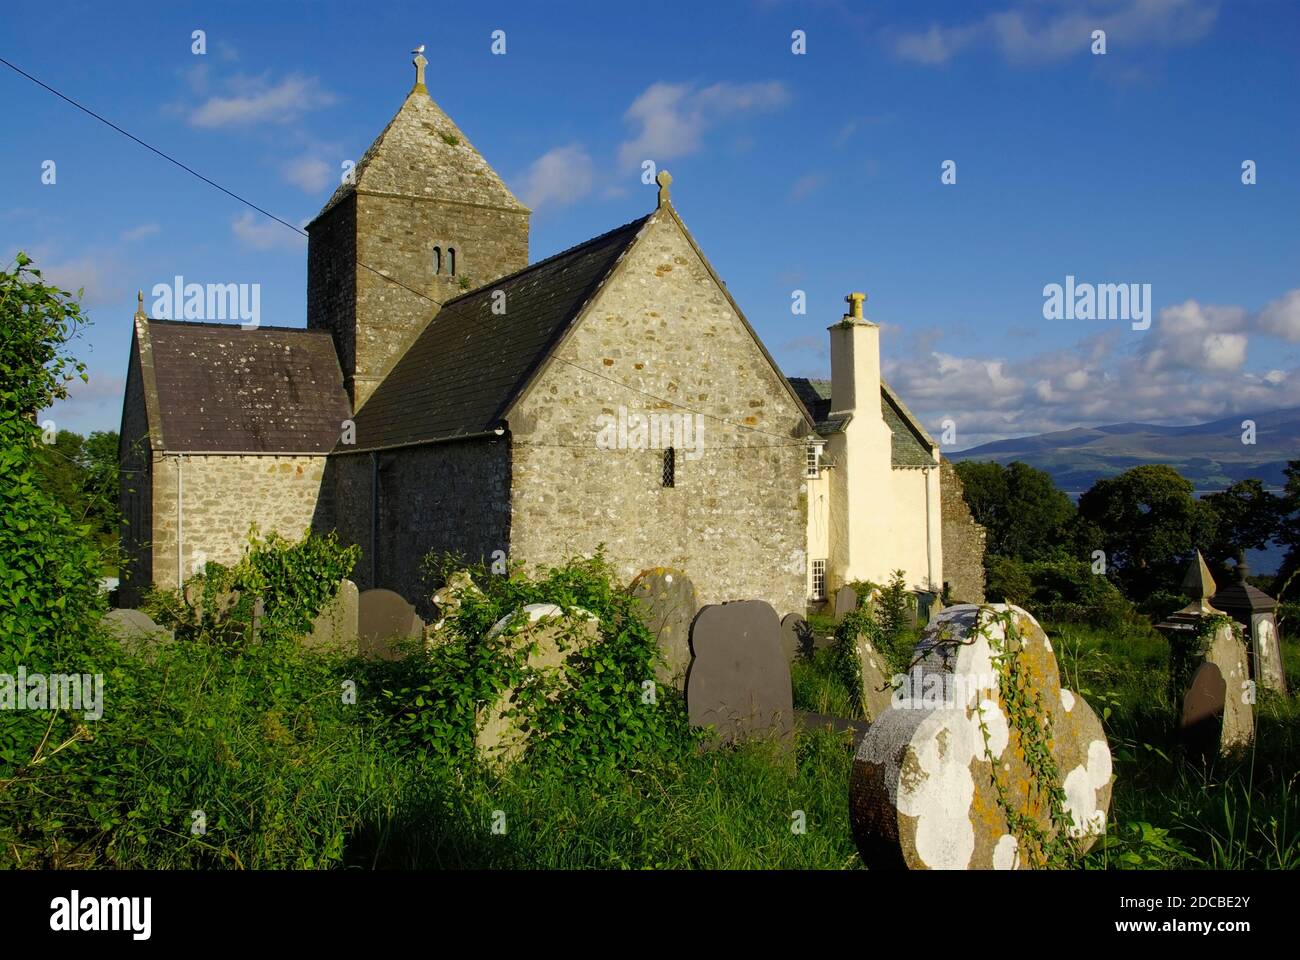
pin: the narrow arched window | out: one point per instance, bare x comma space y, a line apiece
451, 260
670, 467
437, 260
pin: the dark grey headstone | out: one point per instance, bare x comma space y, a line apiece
846, 601
668, 604
739, 679
1201, 726
796, 637
384, 618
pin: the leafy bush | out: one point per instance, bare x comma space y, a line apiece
596, 722
294, 580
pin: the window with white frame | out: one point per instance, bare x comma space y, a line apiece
819, 579
813, 456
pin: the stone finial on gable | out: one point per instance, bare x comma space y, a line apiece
665, 181
139, 306
420, 63
854, 300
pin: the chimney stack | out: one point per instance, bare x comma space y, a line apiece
855, 361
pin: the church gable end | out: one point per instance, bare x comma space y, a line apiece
583, 473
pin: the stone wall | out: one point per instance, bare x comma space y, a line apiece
332, 281
441, 497
963, 541
135, 481
220, 497
735, 521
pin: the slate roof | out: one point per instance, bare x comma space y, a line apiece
225, 389
910, 445
466, 367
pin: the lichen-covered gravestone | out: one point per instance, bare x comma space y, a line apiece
1222, 698
739, 679
384, 619
551, 636
448, 599
796, 637
135, 631
335, 627
668, 604
983, 760
876, 691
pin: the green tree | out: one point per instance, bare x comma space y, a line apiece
1025, 514
1247, 517
1148, 523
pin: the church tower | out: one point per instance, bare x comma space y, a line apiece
421, 208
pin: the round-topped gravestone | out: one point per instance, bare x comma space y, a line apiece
384, 620
796, 637
335, 627
135, 630
941, 780
551, 636
739, 678
668, 603
846, 601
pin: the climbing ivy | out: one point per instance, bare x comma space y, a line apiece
1027, 716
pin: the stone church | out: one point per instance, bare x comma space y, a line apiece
446, 396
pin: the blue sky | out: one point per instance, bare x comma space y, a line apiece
818, 172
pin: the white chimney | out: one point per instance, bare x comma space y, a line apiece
855, 361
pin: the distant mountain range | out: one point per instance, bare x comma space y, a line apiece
1211, 455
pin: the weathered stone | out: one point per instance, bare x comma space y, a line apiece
1201, 725
846, 601
552, 637
876, 690
668, 605
337, 624
135, 630
922, 790
1228, 654
447, 600
963, 539
739, 679
384, 620
797, 639
1270, 674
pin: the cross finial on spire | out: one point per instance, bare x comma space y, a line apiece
665, 181
420, 64
139, 306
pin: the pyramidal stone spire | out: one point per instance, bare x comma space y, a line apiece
424, 155
1200, 586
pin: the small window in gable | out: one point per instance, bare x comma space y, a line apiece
670, 467
437, 260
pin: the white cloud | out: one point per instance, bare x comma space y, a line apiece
1281, 317
1055, 30
309, 173
257, 232
671, 118
558, 177
256, 101
140, 232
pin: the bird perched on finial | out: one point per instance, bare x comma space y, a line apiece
419, 49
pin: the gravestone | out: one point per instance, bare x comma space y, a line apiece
447, 599
876, 691
739, 678
922, 790
1227, 653
668, 604
335, 627
846, 601
1256, 611
1269, 672
797, 638
135, 630
1201, 726
384, 619
551, 637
